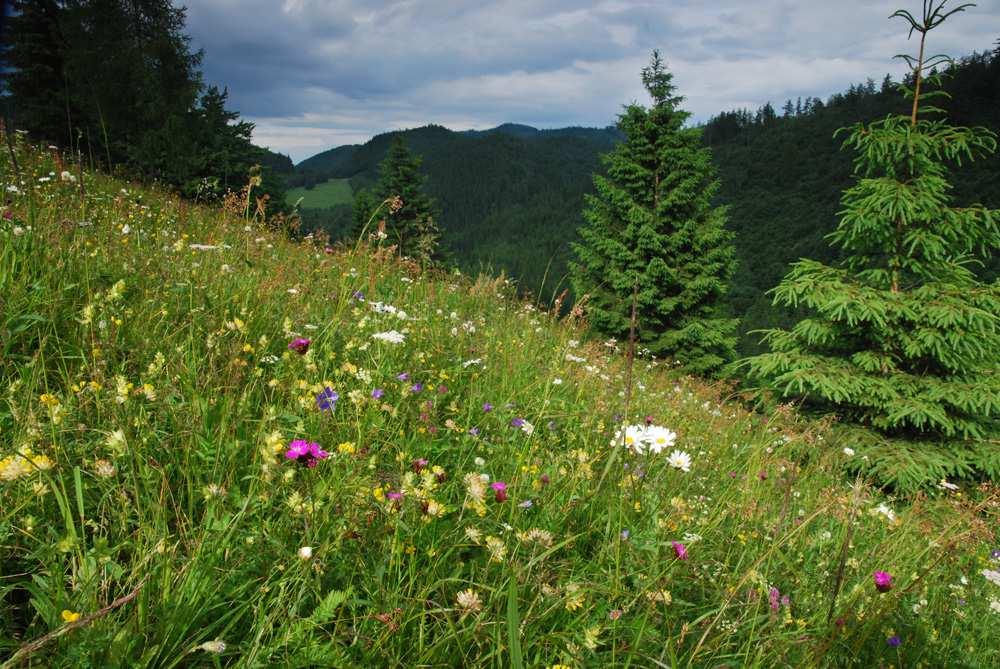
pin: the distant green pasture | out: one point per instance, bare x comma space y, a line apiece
327, 194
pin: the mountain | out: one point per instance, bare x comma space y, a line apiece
496, 189
510, 197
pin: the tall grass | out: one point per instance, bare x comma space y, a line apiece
150, 516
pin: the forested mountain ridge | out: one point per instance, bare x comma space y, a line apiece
782, 173
494, 189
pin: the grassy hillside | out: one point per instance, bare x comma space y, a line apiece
327, 194
781, 178
465, 501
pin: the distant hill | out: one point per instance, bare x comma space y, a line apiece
510, 197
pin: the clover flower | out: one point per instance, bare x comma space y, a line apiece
468, 601
327, 399
679, 550
883, 581
300, 345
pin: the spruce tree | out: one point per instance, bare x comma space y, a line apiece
652, 238
410, 225
903, 340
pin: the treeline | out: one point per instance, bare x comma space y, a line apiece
511, 198
508, 198
117, 83
782, 175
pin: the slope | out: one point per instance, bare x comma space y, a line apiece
224, 447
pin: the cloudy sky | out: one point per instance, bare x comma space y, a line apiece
313, 74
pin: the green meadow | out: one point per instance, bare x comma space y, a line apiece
223, 447
330, 193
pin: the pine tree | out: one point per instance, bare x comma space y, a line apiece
654, 240
410, 226
903, 343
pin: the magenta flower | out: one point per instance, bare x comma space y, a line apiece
300, 345
394, 496
883, 581
774, 598
418, 465
487, 407
306, 453
679, 550
500, 488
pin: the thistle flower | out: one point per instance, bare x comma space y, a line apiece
300, 345
418, 465
679, 550
327, 399
500, 488
883, 581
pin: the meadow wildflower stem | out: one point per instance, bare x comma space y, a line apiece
838, 580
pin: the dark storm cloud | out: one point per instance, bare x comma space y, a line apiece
317, 73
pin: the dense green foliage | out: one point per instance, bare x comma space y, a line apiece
407, 218
117, 84
902, 337
149, 515
782, 178
654, 256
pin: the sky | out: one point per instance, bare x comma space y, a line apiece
314, 74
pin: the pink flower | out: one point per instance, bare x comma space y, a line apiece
500, 488
774, 597
300, 345
306, 453
883, 581
680, 550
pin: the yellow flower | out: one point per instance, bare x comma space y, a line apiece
346, 448
70, 616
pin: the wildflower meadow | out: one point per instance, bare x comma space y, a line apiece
220, 446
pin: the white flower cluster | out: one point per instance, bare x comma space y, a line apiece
391, 337
382, 308
653, 439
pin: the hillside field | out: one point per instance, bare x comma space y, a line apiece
222, 447
329, 193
